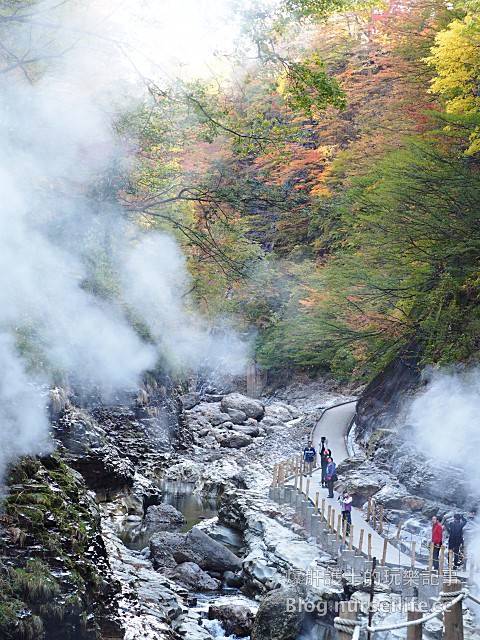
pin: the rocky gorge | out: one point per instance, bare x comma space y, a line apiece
93, 549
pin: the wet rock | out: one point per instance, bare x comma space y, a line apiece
164, 517
190, 575
234, 580
236, 619
276, 619
252, 408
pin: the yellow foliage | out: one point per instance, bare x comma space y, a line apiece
456, 59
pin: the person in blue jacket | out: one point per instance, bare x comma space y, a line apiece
309, 455
330, 476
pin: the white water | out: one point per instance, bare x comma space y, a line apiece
204, 601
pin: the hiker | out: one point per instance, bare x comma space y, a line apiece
437, 536
346, 505
330, 476
455, 537
309, 455
325, 453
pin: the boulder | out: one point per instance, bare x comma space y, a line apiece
190, 575
164, 517
247, 429
236, 441
190, 400
212, 555
281, 412
163, 546
237, 416
276, 618
236, 619
250, 407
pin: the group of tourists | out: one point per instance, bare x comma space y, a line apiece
329, 476
455, 539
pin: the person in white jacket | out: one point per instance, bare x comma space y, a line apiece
346, 504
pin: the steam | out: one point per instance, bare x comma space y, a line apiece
56, 139
446, 421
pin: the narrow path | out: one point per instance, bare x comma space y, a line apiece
333, 424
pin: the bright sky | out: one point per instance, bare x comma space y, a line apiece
178, 32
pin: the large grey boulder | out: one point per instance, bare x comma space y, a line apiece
280, 615
250, 407
212, 555
164, 517
236, 440
163, 547
190, 575
169, 549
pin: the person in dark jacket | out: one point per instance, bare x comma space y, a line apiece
330, 475
455, 537
437, 537
309, 455
325, 453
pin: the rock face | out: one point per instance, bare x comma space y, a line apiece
236, 619
279, 616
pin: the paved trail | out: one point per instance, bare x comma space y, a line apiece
333, 424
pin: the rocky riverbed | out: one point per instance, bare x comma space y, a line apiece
141, 565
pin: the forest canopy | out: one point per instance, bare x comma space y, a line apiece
324, 187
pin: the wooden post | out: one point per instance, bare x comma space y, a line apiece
369, 508
333, 515
430, 558
323, 509
380, 520
301, 483
450, 564
281, 475
316, 503
414, 632
344, 533
348, 610
296, 479
413, 555
275, 472
399, 528
360, 542
350, 542
329, 513
384, 553
339, 527
369, 546
453, 619
307, 488
441, 560
374, 514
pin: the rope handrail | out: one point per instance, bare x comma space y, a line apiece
450, 598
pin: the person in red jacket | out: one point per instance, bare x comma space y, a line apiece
437, 536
